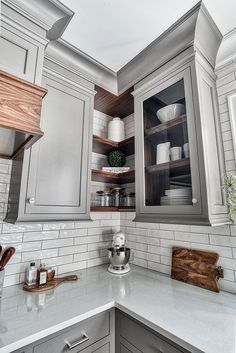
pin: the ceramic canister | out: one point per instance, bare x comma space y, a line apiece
163, 153
116, 130
176, 153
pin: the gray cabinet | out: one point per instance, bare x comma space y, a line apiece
179, 159
24, 350
94, 335
134, 337
22, 45
56, 170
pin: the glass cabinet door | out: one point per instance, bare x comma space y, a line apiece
167, 118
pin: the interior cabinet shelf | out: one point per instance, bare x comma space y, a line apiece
104, 146
181, 166
107, 177
112, 209
155, 130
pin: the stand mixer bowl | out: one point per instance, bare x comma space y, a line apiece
119, 257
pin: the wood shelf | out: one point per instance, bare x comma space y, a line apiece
111, 209
156, 130
182, 166
104, 146
113, 178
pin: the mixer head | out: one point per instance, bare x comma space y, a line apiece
118, 240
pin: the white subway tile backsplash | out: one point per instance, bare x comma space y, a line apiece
9, 238
192, 237
75, 249
58, 226
59, 260
222, 230
159, 267
87, 240
97, 262
32, 236
222, 241
27, 246
23, 227
57, 243
75, 266
11, 280
38, 255
72, 233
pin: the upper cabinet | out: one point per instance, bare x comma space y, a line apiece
55, 171
179, 159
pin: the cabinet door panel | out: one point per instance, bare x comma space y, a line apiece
58, 173
166, 148
18, 55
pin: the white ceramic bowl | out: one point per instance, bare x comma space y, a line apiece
170, 112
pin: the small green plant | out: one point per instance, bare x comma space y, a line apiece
230, 187
116, 158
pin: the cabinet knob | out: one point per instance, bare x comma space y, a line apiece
194, 201
31, 200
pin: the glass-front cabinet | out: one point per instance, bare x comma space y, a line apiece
171, 184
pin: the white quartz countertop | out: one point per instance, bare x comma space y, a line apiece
196, 319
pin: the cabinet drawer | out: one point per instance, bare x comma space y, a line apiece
105, 348
143, 339
94, 328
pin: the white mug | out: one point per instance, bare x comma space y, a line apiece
186, 150
163, 153
176, 153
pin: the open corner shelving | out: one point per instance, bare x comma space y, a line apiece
107, 177
104, 146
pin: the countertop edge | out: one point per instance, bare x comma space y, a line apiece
53, 329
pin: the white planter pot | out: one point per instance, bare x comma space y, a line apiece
116, 130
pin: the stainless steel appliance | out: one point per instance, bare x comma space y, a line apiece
119, 255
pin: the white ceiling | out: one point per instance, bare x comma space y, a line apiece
114, 31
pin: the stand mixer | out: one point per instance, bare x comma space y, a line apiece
119, 255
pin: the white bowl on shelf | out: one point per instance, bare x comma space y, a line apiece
181, 192
170, 112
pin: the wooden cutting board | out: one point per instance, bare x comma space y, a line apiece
196, 267
51, 284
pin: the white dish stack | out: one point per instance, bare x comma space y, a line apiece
173, 197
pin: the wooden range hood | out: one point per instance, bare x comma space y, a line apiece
20, 110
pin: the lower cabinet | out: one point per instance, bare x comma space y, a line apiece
109, 332
134, 337
96, 334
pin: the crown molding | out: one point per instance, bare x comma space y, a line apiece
227, 51
74, 60
51, 15
196, 28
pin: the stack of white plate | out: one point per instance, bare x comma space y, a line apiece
175, 197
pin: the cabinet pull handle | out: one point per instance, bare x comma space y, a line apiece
85, 338
194, 201
31, 200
